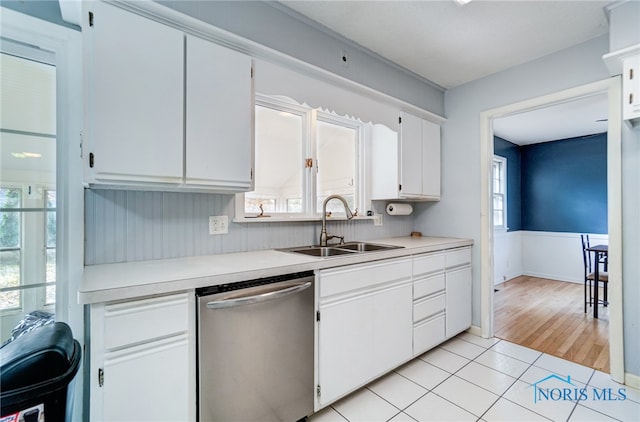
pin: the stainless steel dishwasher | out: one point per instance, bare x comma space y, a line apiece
255, 350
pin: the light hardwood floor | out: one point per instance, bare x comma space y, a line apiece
548, 316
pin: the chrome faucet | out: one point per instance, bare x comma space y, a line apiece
324, 236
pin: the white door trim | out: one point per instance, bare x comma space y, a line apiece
612, 87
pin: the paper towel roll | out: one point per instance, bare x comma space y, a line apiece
399, 209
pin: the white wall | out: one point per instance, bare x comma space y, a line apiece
557, 256
458, 213
507, 255
552, 255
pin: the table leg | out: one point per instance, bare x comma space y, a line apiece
595, 282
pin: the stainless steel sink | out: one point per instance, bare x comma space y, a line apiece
337, 250
366, 247
319, 251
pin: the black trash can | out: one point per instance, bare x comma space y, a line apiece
36, 375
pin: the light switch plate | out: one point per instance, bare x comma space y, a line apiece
218, 224
377, 220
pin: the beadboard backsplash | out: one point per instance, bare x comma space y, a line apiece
124, 226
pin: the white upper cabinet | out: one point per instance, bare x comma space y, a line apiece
134, 97
626, 62
631, 90
431, 160
406, 165
163, 110
219, 116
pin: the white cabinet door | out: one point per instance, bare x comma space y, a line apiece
364, 331
134, 91
219, 116
458, 300
411, 156
406, 166
345, 339
361, 338
142, 359
420, 158
385, 160
148, 382
430, 159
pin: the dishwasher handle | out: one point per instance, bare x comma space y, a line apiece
272, 293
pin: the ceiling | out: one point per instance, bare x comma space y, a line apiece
451, 44
585, 116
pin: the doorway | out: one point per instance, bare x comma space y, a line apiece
612, 88
27, 186
549, 188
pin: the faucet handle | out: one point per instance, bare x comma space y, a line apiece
333, 236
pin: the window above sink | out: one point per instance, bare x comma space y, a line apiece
303, 155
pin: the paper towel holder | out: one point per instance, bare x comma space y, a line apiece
399, 209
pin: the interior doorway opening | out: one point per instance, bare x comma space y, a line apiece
28, 208
612, 88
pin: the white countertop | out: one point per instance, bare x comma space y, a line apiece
114, 282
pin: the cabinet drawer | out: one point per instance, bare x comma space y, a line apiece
427, 307
458, 258
355, 277
143, 320
428, 334
427, 264
426, 286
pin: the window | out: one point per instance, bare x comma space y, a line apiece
336, 162
302, 155
27, 249
28, 222
279, 153
499, 192
10, 253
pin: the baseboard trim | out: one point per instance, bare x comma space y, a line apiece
552, 277
476, 331
632, 380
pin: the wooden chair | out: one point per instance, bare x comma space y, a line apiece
589, 275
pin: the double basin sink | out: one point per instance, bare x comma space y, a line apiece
337, 250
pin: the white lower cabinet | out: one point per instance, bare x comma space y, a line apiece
441, 297
428, 301
141, 360
458, 301
374, 317
364, 327
458, 280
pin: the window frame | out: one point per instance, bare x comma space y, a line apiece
284, 105
19, 249
33, 211
503, 192
66, 46
358, 126
33, 283
309, 150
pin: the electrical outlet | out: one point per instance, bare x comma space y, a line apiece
218, 224
377, 220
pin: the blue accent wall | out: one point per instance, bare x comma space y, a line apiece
564, 185
511, 152
558, 186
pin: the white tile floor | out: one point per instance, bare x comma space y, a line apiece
473, 379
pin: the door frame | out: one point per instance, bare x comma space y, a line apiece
611, 86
